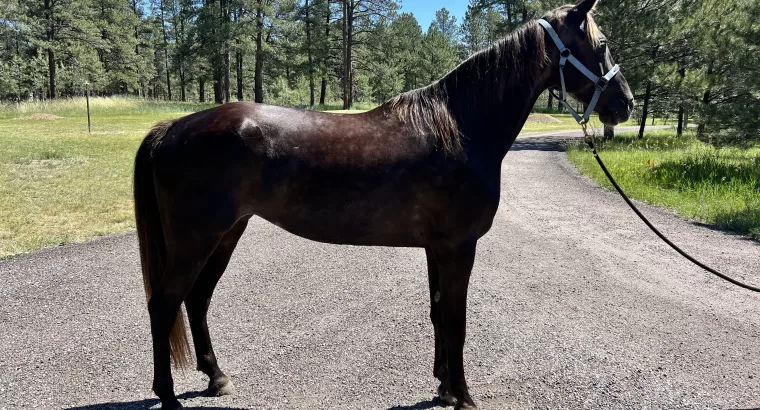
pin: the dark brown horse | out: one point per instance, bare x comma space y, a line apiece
422, 170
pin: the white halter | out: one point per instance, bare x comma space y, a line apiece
600, 83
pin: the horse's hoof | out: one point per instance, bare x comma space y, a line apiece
446, 396
221, 387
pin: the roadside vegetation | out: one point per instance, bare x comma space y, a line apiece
719, 186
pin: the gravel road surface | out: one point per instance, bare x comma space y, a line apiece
573, 304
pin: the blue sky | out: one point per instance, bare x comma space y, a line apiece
424, 10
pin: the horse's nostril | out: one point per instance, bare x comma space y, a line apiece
631, 105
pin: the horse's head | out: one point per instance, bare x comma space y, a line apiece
585, 44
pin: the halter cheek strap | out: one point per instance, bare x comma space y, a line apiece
600, 83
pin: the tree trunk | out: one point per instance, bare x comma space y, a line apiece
258, 87
239, 74
182, 84
179, 33
202, 90
351, 55
224, 17
310, 56
51, 73
323, 89
138, 92
50, 36
238, 59
347, 53
644, 109
705, 100
647, 95
679, 129
701, 126
218, 86
166, 52
681, 111
226, 75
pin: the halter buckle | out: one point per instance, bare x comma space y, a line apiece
602, 83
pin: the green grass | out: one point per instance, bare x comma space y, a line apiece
338, 107
717, 186
60, 185
76, 107
568, 123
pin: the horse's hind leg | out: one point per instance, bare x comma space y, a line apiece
454, 269
184, 262
197, 304
440, 370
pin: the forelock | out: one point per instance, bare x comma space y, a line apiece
592, 30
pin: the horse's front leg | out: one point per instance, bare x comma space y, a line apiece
440, 370
454, 269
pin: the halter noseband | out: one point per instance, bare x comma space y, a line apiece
600, 83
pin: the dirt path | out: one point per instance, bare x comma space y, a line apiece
574, 304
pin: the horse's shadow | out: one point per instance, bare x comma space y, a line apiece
147, 404
423, 405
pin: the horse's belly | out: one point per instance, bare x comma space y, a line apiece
351, 218
351, 230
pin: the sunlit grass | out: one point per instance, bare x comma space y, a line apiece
60, 185
77, 107
568, 122
718, 186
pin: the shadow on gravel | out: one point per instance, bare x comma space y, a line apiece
539, 144
423, 405
725, 231
148, 403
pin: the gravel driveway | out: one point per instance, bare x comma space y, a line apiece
574, 304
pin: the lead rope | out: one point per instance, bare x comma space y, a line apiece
589, 140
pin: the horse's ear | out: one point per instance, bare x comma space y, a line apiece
584, 6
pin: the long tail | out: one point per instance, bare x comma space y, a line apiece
151, 235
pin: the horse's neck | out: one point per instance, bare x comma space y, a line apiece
484, 119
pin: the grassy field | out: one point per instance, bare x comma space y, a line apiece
537, 123
718, 186
58, 184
